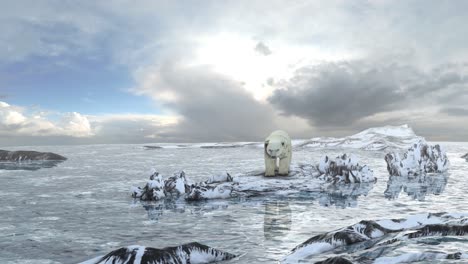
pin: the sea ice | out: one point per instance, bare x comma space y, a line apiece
302, 178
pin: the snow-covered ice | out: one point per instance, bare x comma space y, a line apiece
344, 169
302, 178
419, 159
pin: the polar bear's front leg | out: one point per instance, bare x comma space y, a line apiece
270, 165
284, 166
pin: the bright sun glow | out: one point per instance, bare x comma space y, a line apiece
235, 56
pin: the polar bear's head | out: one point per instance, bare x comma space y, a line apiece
276, 147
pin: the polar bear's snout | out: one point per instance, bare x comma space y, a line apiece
274, 150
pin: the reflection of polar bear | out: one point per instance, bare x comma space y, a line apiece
277, 146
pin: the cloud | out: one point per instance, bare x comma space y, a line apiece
211, 106
18, 126
337, 94
455, 111
340, 94
262, 49
131, 128
343, 83
15, 122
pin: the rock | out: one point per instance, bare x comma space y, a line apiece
421, 158
152, 147
24, 155
193, 253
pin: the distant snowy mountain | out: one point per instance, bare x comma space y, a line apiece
378, 138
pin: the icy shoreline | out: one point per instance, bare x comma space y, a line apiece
382, 235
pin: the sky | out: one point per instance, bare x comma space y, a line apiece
96, 72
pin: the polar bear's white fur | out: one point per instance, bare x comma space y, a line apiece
277, 146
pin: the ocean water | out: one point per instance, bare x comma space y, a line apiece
82, 207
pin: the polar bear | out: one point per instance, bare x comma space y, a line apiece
277, 147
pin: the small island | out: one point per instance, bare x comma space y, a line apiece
27, 155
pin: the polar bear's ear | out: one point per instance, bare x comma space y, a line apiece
266, 143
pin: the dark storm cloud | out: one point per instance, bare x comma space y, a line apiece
339, 94
213, 107
262, 49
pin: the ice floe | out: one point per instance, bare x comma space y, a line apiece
302, 178
192, 253
419, 159
380, 236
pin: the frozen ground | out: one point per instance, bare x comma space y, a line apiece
82, 208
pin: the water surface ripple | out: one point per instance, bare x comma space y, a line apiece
82, 207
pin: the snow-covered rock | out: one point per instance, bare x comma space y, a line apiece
378, 138
209, 191
218, 186
403, 258
419, 159
465, 156
344, 169
192, 253
154, 189
381, 233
